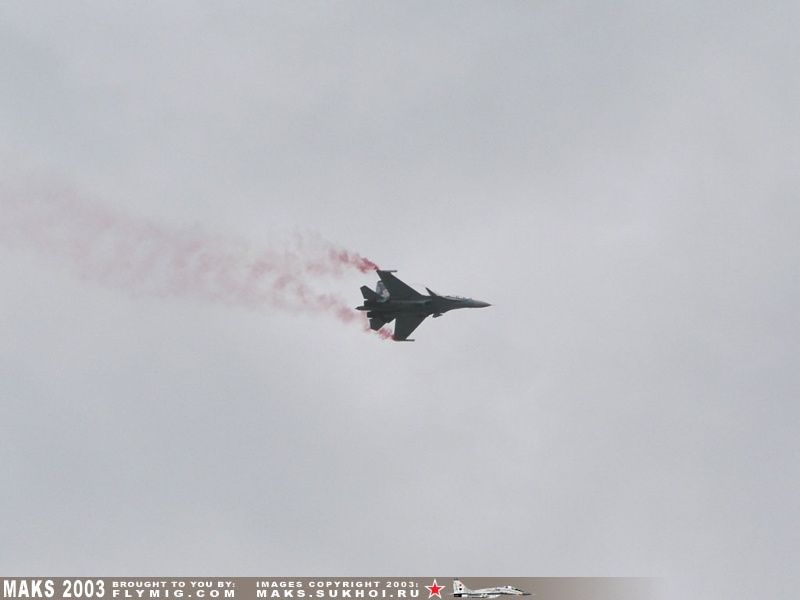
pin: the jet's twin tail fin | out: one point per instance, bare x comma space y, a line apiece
376, 323
458, 587
381, 290
369, 294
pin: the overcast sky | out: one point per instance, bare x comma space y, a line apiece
619, 179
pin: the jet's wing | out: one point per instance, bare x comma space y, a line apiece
397, 289
405, 324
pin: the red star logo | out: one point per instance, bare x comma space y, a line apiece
435, 590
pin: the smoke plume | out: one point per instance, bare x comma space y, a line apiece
139, 256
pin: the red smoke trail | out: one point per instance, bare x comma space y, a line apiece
383, 334
142, 257
344, 257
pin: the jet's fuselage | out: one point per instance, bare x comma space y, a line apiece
394, 300
427, 305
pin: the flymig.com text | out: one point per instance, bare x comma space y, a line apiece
176, 589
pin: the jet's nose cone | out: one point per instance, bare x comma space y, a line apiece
479, 304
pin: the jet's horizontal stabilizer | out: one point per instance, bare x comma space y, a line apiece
431, 292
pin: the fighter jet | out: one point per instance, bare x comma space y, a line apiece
393, 300
462, 591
